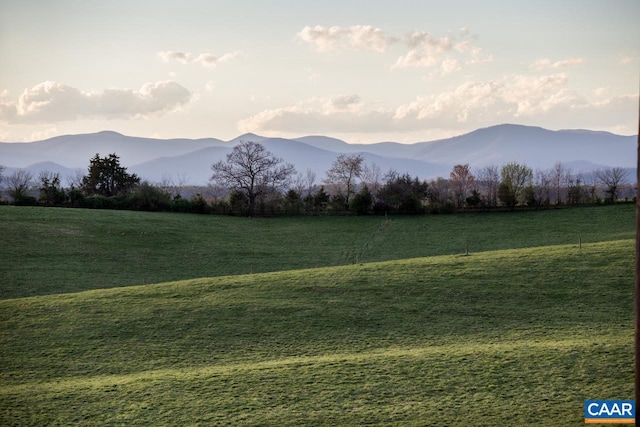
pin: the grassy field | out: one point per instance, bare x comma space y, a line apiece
509, 335
48, 251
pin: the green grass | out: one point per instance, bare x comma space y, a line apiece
510, 335
497, 338
49, 251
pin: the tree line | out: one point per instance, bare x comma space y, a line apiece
252, 181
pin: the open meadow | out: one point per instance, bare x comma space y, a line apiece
127, 318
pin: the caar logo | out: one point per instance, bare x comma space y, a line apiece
609, 411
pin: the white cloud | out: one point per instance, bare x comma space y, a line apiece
426, 50
534, 94
50, 102
423, 50
366, 37
343, 103
171, 55
359, 37
447, 66
207, 60
4, 136
463, 46
44, 134
323, 39
230, 56
512, 99
545, 63
478, 57
601, 91
343, 113
625, 60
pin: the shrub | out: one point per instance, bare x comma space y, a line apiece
146, 197
181, 205
75, 198
199, 204
25, 200
361, 202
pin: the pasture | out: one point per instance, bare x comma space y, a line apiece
360, 321
53, 250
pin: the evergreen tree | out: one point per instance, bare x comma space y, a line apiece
107, 177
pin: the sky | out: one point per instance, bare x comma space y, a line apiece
362, 71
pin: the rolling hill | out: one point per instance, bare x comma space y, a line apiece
154, 159
519, 332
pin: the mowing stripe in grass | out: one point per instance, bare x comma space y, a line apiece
477, 350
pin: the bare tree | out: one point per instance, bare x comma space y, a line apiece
612, 178
310, 180
252, 171
299, 184
439, 192
542, 184
344, 172
172, 185
75, 181
214, 193
19, 184
462, 181
558, 176
371, 176
488, 181
591, 183
1, 179
576, 189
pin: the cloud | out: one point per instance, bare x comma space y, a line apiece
512, 99
449, 55
477, 57
171, 55
423, 49
230, 56
367, 37
343, 113
426, 50
344, 103
447, 66
207, 60
51, 102
545, 63
625, 60
44, 134
358, 37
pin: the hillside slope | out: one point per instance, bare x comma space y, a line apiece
46, 251
499, 338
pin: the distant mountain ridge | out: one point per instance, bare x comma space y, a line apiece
156, 159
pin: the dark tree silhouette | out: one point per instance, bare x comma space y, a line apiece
252, 171
612, 178
19, 184
107, 177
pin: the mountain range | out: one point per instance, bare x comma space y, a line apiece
191, 159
